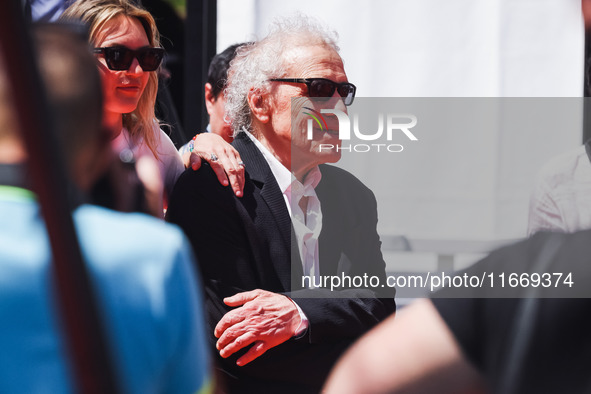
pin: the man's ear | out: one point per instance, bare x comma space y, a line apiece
259, 105
209, 98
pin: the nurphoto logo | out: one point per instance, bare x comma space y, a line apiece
389, 125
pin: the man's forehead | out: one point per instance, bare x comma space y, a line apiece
302, 58
300, 50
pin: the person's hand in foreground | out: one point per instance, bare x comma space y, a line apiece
264, 318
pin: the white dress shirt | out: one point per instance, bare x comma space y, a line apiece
307, 221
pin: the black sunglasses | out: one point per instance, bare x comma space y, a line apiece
119, 58
322, 87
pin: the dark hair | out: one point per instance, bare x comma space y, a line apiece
217, 74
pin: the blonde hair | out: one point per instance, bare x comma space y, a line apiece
97, 13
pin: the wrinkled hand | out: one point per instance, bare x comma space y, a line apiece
264, 318
227, 169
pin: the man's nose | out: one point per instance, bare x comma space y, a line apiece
339, 102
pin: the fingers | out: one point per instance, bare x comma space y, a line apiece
231, 343
194, 161
224, 160
228, 171
256, 351
220, 171
191, 160
264, 318
231, 318
242, 298
236, 172
186, 157
241, 342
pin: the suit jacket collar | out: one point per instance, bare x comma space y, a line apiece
255, 164
259, 172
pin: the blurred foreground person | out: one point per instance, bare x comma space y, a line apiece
528, 334
561, 197
44, 10
275, 327
141, 268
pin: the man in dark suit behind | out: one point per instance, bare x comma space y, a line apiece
278, 328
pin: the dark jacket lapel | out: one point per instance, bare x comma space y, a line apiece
261, 175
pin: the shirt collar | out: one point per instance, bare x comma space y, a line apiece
312, 178
280, 172
282, 175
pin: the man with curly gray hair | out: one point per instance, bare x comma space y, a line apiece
275, 324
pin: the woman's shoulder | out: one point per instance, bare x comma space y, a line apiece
164, 142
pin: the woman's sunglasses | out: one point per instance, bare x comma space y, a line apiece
322, 87
119, 58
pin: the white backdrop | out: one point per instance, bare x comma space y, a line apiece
451, 48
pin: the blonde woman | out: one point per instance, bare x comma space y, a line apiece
126, 43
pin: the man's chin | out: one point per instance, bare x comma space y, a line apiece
315, 155
333, 158
327, 152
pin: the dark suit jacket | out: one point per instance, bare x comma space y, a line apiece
245, 243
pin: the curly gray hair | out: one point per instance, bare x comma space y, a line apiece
262, 60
